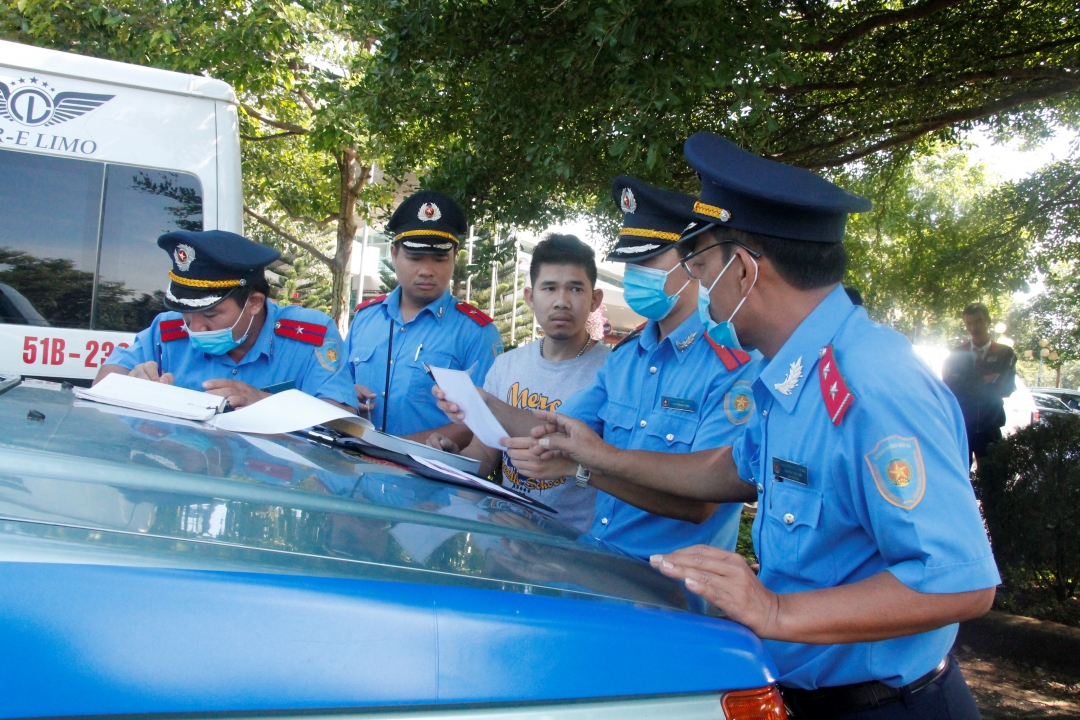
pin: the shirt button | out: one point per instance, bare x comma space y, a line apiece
391, 361
384, 394
789, 519
401, 329
603, 521
642, 423
652, 370
356, 359
760, 488
234, 371
764, 413
669, 437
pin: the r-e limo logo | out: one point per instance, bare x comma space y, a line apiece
34, 103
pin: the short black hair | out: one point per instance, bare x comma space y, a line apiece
563, 250
977, 308
803, 264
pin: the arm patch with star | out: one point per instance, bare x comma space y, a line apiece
311, 333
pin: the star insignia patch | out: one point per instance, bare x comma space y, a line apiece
183, 256
429, 212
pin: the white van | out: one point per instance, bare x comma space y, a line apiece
97, 159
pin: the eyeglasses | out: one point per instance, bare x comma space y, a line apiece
685, 262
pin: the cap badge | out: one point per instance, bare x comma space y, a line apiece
429, 212
183, 255
627, 203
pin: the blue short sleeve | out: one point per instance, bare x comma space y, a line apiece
912, 493
327, 374
143, 349
481, 354
585, 405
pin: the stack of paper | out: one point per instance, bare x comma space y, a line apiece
458, 387
153, 397
366, 434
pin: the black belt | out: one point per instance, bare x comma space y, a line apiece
832, 702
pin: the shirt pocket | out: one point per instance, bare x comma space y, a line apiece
670, 431
618, 422
361, 364
792, 515
420, 383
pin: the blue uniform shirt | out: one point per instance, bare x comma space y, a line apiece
673, 396
444, 334
859, 456
315, 369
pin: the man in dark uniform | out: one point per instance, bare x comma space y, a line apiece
868, 534
393, 336
225, 336
981, 373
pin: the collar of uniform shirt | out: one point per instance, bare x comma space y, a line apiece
264, 344
393, 306
689, 326
803, 349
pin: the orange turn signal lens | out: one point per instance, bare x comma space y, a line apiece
760, 704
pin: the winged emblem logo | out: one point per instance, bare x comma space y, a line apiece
35, 103
627, 202
792, 380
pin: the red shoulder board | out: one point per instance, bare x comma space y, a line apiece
369, 302
633, 335
172, 330
837, 395
302, 331
474, 314
733, 359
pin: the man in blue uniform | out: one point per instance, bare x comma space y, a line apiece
868, 533
392, 336
666, 388
225, 336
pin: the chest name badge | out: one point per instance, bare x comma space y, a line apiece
787, 470
680, 404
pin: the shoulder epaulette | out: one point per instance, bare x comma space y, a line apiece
733, 359
311, 333
474, 314
172, 330
834, 390
632, 336
369, 302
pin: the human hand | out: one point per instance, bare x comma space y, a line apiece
149, 371
562, 435
365, 400
452, 411
725, 580
533, 460
441, 442
237, 393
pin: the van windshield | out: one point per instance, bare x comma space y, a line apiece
79, 238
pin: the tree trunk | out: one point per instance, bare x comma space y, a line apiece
351, 177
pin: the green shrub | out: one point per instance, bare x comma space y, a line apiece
1029, 488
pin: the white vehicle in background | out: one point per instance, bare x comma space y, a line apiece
97, 159
1020, 409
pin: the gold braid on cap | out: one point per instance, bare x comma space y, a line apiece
712, 211
204, 283
642, 232
420, 233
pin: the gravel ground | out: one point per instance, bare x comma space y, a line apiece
1006, 690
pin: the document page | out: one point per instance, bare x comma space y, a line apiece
281, 413
479, 483
459, 389
153, 397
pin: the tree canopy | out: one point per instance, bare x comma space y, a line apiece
529, 107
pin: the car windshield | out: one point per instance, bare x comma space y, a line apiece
165, 491
1049, 402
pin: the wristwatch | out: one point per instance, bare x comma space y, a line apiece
582, 476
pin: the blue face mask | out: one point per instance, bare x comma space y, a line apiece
643, 290
218, 342
722, 333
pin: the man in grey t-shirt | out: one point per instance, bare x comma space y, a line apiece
542, 375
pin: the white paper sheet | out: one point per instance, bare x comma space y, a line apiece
459, 389
479, 483
281, 413
154, 397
